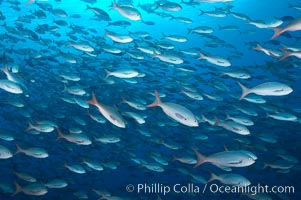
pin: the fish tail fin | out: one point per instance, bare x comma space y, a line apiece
277, 32
65, 88
102, 196
174, 158
212, 177
157, 101
30, 127
114, 4
265, 165
93, 101
217, 121
286, 54
108, 73
203, 117
19, 149
88, 7
227, 116
60, 134
161, 142
123, 100
18, 189
154, 54
202, 56
202, 12
5, 69
84, 160
222, 74
245, 91
69, 44
200, 158
258, 47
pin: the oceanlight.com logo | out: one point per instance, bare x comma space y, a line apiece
251, 189
192, 188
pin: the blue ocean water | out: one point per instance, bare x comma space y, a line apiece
55, 54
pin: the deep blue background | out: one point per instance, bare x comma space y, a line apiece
45, 92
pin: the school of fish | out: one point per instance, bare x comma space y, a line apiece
98, 94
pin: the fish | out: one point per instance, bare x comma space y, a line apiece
78, 169
266, 89
122, 73
272, 23
81, 47
33, 152
120, 38
232, 126
5, 153
200, 30
175, 38
269, 52
175, 111
108, 112
186, 160
237, 74
225, 159
290, 53
80, 139
241, 120
138, 118
284, 116
169, 6
41, 127
169, 58
77, 93
35, 189
56, 183
25, 177
99, 13
107, 139
134, 104
127, 11
153, 166
215, 60
230, 179
93, 165
6, 136
10, 86
294, 25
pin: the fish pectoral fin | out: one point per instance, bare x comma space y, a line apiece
179, 116
235, 162
279, 90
